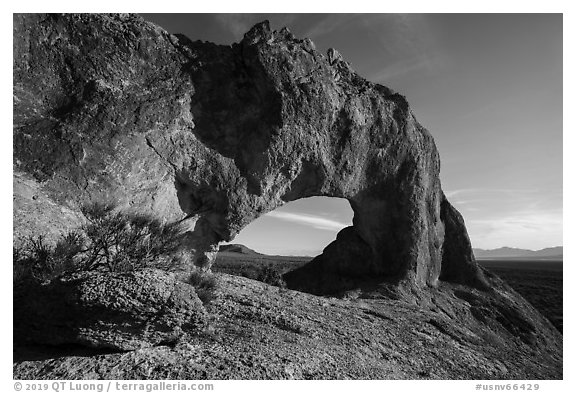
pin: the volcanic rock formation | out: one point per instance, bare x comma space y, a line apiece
114, 108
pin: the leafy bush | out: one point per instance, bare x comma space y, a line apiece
268, 270
269, 275
205, 284
109, 241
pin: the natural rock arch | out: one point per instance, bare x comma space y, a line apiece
122, 110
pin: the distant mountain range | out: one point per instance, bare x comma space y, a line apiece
519, 253
552, 253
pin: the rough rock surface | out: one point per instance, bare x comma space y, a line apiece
263, 332
115, 108
120, 311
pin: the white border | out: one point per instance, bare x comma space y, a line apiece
305, 6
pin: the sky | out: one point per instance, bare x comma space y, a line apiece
487, 86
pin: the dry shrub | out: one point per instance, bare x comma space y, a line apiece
205, 284
109, 241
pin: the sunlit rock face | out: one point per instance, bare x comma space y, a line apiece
113, 108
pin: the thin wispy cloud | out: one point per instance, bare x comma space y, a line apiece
329, 24
404, 67
316, 222
504, 202
486, 191
529, 229
513, 217
467, 201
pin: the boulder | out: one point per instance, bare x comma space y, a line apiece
119, 311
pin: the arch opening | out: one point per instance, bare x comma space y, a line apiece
303, 227
285, 238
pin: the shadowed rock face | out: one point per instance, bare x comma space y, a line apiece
114, 108
119, 311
